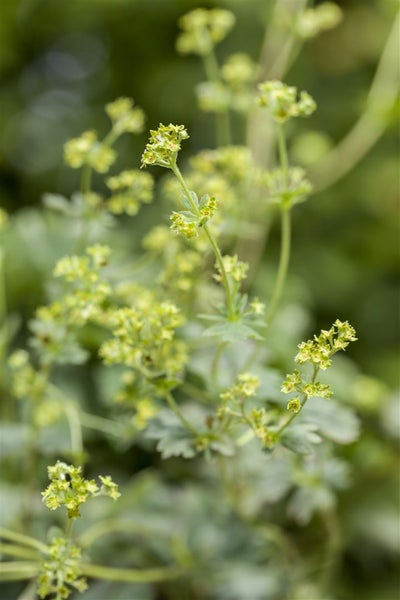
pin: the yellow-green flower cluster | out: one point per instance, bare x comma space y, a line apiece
318, 352
320, 349
188, 223
144, 339
146, 409
185, 225
286, 187
88, 150
213, 96
164, 145
234, 90
234, 163
181, 264
129, 190
68, 488
60, 573
312, 21
124, 117
33, 385
182, 270
84, 302
246, 385
203, 29
283, 101
259, 423
238, 70
234, 268
238, 73
295, 383
257, 307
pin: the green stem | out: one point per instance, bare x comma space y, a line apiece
131, 575
213, 243
215, 363
285, 231
175, 408
18, 551
86, 179
17, 570
68, 530
211, 68
224, 275
104, 425
282, 150
22, 539
110, 526
332, 552
382, 97
283, 264
75, 429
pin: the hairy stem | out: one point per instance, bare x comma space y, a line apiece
213, 243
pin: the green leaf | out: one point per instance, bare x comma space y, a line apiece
334, 421
173, 438
308, 500
58, 203
301, 438
232, 331
185, 201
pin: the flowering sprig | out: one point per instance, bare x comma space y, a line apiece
284, 102
88, 150
202, 29
286, 187
320, 349
164, 145
60, 572
129, 190
318, 352
125, 117
313, 21
144, 339
68, 488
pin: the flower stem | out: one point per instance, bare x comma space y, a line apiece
222, 118
22, 539
285, 232
213, 243
282, 151
215, 363
283, 264
131, 575
16, 570
175, 408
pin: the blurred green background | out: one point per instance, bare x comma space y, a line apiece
62, 61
